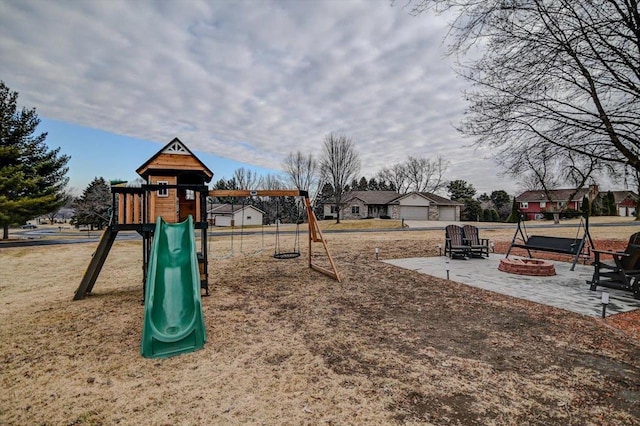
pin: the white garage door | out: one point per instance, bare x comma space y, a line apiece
222, 220
447, 213
414, 213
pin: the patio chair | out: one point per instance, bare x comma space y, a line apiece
478, 247
624, 273
454, 245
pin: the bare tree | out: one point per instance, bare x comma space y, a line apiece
559, 75
272, 182
302, 171
246, 179
397, 176
339, 165
424, 175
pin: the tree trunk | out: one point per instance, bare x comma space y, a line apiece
556, 218
337, 215
5, 232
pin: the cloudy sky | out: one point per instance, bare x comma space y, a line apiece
240, 82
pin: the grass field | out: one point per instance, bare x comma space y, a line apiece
287, 345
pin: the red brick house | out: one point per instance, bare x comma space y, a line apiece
533, 204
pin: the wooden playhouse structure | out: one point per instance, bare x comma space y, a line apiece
175, 186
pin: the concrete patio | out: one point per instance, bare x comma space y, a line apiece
565, 290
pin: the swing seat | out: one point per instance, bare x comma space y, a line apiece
552, 244
287, 255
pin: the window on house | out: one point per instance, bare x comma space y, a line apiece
189, 194
543, 204
524, 204
333, 209
163, 192
355, 209
248, 217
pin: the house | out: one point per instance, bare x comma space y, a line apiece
234, 215
626, 202
362, 204
533, 204
390, 204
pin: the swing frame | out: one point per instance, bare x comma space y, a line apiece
571, 246
315, 234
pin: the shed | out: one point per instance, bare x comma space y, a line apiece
234, 215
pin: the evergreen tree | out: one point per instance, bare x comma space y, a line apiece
92, 208
460, 190
500, 199
611, 203
585, 207
472, 210
373, 185
32, 177
325, 196
363, 184
515, 212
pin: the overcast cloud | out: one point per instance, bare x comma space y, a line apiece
246, 80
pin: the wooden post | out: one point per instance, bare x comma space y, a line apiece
121, 209
136, 208
129, 207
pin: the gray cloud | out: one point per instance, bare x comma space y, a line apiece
247, 80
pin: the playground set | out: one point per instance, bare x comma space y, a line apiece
167, 211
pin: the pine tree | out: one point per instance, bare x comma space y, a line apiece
611, 203
32, 177
585, 207
92, 208
515, 212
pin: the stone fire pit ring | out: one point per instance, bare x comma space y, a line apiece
524, 266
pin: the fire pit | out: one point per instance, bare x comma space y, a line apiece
533, 267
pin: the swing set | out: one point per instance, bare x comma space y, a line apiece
280, 252
577, 246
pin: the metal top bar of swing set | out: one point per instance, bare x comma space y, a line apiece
315, 234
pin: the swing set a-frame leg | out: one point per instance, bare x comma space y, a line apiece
315, 235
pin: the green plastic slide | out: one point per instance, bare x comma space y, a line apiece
173, 318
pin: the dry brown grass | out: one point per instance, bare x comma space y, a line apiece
287, 345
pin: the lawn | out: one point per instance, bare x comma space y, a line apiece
287, 345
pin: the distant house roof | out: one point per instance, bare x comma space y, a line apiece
556, 195
372, 197
433, 198
620, 196
441, 200
227, 209
392, 197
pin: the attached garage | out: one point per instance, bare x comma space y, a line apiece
447, 213
414, 212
